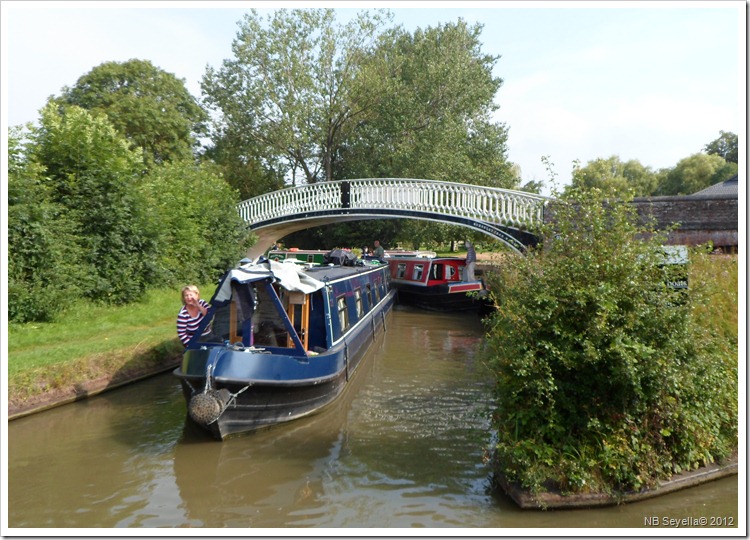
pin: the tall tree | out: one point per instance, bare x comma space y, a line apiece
149, 106
430, 99
725, 146
286, 91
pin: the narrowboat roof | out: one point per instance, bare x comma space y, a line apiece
289, 276
331, 273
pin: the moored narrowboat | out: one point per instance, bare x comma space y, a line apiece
312, 256
283, 342
436, 284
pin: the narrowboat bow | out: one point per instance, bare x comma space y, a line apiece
283, 343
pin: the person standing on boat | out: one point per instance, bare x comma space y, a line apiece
192, 313
378, 252
471, 261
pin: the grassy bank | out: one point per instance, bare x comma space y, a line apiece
91, 343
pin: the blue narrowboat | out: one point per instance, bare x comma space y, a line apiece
280, 342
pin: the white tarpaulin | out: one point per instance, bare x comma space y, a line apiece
289, 276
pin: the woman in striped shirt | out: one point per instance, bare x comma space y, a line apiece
191, 314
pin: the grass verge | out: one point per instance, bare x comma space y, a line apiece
89, 348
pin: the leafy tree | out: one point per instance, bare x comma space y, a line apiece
92, 173
285, 94
725, 146
611, 174
430, 99
600, 382
695, 173
429, 102
201, 234
149, 106
243, 167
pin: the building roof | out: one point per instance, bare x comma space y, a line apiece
727, 187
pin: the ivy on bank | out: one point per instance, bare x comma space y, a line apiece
605, 379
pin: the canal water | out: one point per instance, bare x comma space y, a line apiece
403, 448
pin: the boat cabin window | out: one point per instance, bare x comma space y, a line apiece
343, 315
368, 292
232, 321
418, 271
444, 271
400, 270
377, 290
268, 324
358, 303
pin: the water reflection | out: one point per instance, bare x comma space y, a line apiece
402, 448
264, 479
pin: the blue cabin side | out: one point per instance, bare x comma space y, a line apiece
264, 315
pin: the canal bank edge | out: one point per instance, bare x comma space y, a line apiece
82, 390
548, 500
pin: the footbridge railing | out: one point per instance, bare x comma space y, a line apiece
509, 215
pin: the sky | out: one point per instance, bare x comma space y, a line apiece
648, 81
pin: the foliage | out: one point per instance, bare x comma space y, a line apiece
241, 163
628, 178
84, 223
695, 173
600, 382
148, 106
430, 99
92, 173
200, 233
725, 146
286, 92
346, 234
42, 251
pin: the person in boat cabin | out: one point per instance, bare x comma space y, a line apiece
190, 316
378, 252
471, 261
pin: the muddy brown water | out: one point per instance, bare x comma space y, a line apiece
403, 448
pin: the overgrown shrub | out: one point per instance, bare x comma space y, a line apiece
83, 221
43, 276
201, 234
604, 379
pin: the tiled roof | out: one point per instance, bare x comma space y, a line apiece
727, 187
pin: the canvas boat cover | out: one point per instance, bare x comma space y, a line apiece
290, 276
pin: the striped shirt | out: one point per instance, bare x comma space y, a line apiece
187, 325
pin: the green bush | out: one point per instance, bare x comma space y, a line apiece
201, 234
602, 381
83, 222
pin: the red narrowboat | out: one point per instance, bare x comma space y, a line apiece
436, 284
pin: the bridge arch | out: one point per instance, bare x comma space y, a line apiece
510, 216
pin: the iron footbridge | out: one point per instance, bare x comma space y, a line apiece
507, 215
